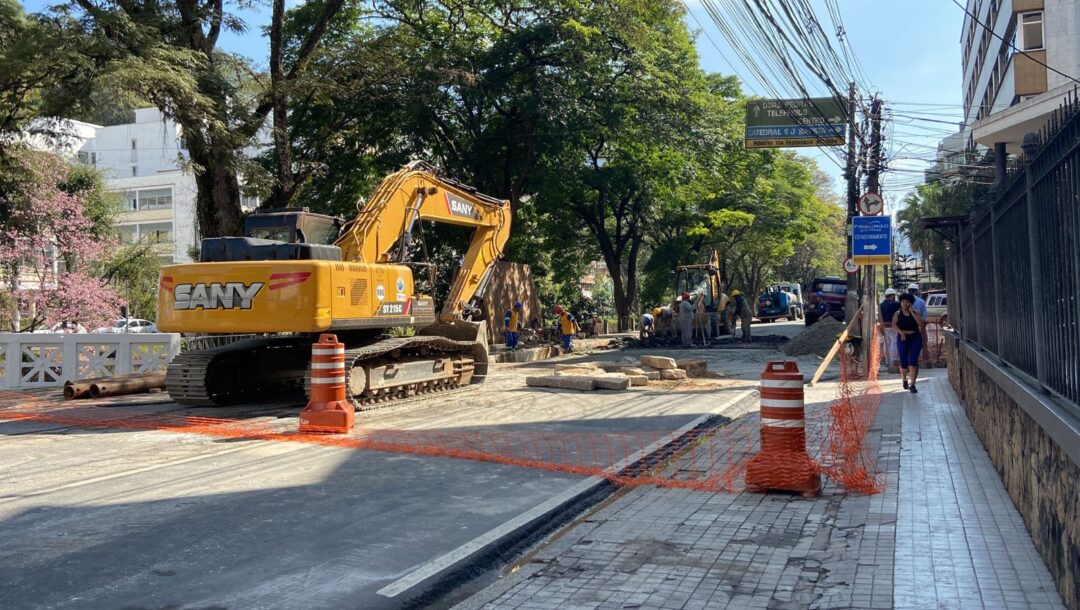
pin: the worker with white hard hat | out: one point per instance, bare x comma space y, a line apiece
887, 309
920, 304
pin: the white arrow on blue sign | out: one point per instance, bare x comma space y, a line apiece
871, 240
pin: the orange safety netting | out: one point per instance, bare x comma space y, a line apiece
846, 457
712, 457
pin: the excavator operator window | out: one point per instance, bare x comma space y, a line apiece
696, 281
283, 234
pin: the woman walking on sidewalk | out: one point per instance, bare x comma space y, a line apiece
908, 325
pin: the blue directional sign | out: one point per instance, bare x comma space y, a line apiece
871, 240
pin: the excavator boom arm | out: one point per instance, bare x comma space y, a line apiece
417, 193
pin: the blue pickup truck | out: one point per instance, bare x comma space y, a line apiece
783, 300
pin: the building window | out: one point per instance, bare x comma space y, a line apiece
134, 145
151, 232
155, 199
129, 234
156, 232
1029, 27
134, 170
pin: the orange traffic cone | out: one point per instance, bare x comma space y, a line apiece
783, 464
328, 412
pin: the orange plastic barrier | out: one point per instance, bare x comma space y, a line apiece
328, 412
725, 456
783, 464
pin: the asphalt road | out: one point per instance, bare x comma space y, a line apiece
93, 518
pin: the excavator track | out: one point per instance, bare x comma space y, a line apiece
463, 366
239, 372
386, 372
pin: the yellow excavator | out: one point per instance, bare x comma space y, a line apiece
294, 274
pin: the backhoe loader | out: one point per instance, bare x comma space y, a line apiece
294, 275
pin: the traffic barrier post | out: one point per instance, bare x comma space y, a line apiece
328, 411
783, 464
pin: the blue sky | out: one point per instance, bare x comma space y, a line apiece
909, 51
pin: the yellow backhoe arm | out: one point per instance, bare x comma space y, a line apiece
415, 193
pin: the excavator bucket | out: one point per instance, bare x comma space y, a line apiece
461, 331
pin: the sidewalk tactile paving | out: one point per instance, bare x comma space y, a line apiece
943, 534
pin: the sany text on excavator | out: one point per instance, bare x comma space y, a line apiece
293, 275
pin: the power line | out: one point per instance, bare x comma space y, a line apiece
1011, 45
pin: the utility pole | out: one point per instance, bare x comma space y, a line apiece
851, 303
873, 184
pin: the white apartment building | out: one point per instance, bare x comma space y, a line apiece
145, 161
1008, 93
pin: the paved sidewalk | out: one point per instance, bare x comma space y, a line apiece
944, 534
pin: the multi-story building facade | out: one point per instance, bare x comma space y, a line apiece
146, 162
1007, 47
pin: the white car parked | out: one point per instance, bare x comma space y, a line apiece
129, 325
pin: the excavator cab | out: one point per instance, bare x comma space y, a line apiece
294, 226
278, 234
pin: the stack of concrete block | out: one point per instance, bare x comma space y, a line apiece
588, 376
583, 377
694, 368
670, 369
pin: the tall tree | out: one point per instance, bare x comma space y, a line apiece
167, 53
55, 229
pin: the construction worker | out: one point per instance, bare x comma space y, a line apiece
686, 320
567, 326
648, 324
742, 311
886, 310
665, 322
514, 321
819, 308
920, 303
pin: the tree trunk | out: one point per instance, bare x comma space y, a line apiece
217, 203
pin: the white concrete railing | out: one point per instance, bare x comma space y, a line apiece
45, 360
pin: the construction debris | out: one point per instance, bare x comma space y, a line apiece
816, 339
611, 382
127, 384
101, 387
583, 384
659, 362
586, 368
694, 368
619, 375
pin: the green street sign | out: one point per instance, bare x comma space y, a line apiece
816, 121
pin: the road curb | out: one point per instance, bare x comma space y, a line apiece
453, 570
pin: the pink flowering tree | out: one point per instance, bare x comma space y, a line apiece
52, 238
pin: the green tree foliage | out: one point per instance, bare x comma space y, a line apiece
167, 53
593, 118
940, 198
39, 59
133, 272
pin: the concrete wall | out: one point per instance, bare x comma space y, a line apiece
1035, 446
1061, 27
157, 146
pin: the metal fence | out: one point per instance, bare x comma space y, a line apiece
1014, 275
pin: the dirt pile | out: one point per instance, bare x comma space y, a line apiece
817, 339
